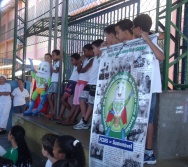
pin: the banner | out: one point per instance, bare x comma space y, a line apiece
122, 105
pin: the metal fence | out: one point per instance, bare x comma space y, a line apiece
86, 21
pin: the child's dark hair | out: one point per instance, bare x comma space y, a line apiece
24, 156
49, 54
97, 42
19, 79
66, 163
48, 141
110, 29
56, 51
72, 148
143, 21
88, 47
125, 24
76, 56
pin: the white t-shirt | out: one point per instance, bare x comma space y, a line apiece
48, 163
19, 96
156, 86
85, 76
74, 76
55, 76
5, 88
94, 71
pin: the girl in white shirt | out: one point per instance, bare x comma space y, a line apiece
20, 95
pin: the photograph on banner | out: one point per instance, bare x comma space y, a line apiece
122, 102
144, 82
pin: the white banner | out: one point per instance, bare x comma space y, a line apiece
122, 105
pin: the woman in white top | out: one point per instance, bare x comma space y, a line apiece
5, 103
20, 95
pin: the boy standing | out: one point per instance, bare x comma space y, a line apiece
88, 94
110, 35
53, 88
123, 30
141, 28
20, 95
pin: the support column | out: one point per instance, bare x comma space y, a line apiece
15, 39
167, 45
64, 27
50, 28
56, 21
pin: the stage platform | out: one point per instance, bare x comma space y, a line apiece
37, 126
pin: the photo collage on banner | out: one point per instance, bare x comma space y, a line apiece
122, 104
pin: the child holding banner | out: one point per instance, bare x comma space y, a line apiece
141, 28
87, 96
110, 35
123, 30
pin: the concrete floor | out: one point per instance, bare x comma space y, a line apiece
177, 162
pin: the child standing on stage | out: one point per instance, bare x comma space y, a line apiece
110, 35
141, 28
87, 96
123, 30
84, 67
53, 88
69, 90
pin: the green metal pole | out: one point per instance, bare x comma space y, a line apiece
50, 27
25, 38
15, 39
157, 16
64, 27
167, 44
56, 21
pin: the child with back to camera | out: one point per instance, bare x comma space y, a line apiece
48, 141
18, 152
69, 89
66, 163
141, 28
67, 147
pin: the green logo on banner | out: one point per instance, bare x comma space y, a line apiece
120, 106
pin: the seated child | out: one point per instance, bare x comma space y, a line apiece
48, 141
66, 163
18, 153
67, 147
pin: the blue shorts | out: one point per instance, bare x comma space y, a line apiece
70, 87
53, 88
152, 108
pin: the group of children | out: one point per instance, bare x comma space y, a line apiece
83, 80
88, 65
61, 151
